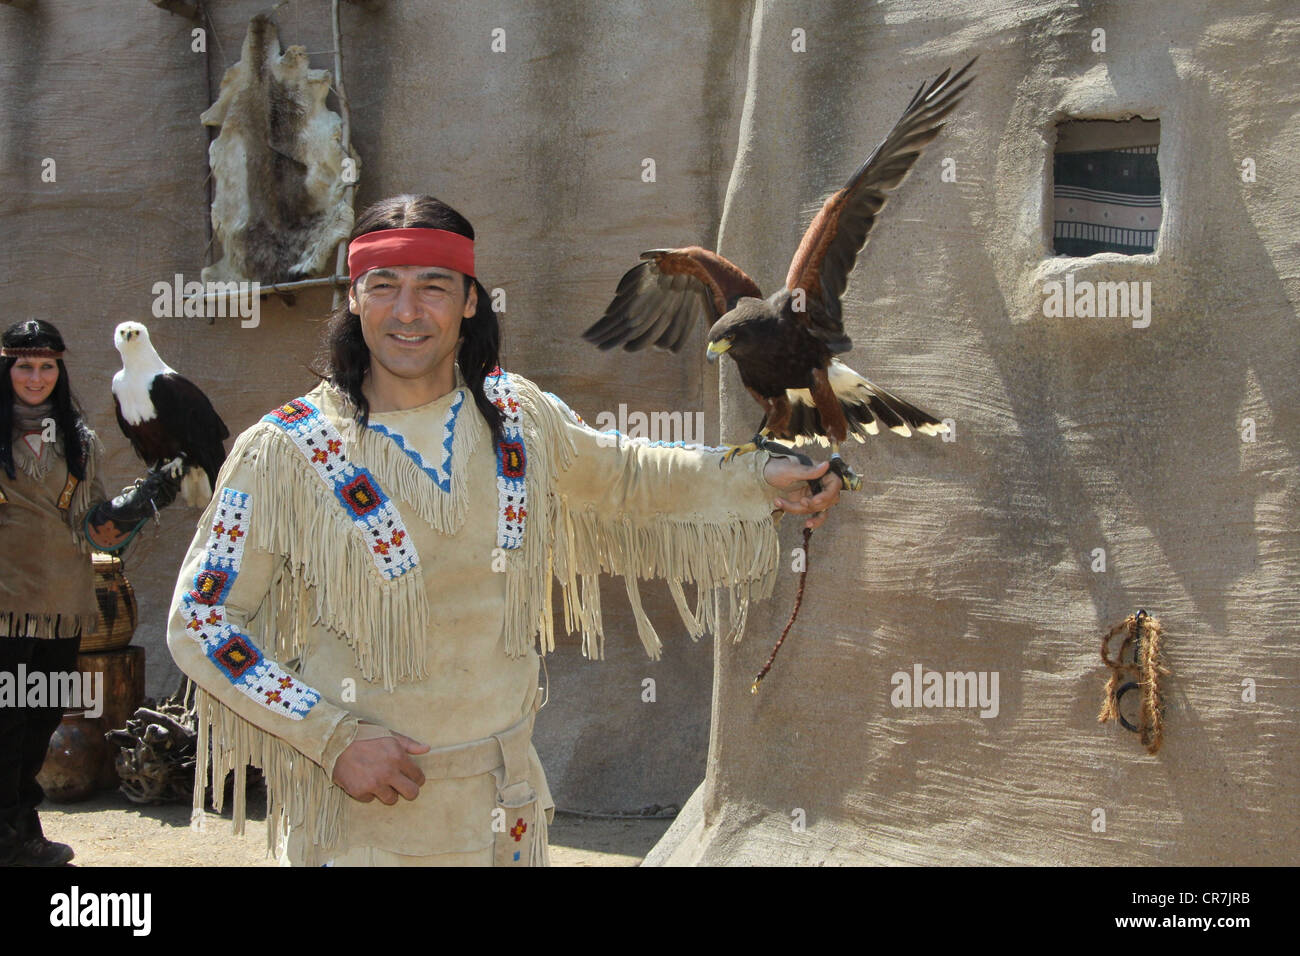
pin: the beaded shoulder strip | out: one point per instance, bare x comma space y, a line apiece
356, 489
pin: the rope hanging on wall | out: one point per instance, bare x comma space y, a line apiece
1141, 647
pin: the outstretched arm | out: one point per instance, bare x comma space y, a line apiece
639, 510
616, 475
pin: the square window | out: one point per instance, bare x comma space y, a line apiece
1106, 187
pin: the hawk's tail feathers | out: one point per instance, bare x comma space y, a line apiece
866, 407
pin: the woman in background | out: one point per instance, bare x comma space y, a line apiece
52, 512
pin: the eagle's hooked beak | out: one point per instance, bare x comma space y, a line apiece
717, 348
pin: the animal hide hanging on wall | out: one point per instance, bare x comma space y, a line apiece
280, 208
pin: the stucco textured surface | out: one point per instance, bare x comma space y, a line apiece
1072, 434
973, 555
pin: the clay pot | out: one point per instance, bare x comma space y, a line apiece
74, 760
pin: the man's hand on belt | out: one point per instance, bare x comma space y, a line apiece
380, 767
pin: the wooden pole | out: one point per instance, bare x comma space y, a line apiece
209, 182
349, 191
340, 281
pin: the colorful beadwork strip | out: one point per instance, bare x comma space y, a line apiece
230, 650
441, 473
356, 489
512, 460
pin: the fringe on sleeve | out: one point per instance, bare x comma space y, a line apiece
299, 794
738, 556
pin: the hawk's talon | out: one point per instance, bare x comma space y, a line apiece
734, 450
176, 467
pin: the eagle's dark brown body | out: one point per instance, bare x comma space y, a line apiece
166, 417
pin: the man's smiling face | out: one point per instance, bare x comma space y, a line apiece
410, 320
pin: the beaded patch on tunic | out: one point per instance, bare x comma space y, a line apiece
232, 651
512, 460
356, 489
441, 474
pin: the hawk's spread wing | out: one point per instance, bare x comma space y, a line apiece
659, 301
830, 247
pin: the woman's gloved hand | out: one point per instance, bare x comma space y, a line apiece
110, 525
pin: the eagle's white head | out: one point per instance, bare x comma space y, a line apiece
131, 336
138, 353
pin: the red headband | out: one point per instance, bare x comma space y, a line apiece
18, 353
410, 247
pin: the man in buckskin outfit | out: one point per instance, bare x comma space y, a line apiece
365, 599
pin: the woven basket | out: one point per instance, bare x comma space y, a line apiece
117, 608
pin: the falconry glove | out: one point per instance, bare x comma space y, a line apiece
111, 525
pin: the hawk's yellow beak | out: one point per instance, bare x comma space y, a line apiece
717, 348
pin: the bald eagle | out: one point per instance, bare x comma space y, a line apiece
166, 418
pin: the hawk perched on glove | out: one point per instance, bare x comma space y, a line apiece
784, 344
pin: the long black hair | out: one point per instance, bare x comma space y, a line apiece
344, 357
71, 431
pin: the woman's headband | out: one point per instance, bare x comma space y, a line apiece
17, 353
410, 247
